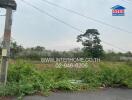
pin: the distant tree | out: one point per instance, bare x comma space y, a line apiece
55, 54
76, 53
38, 48
128, 54
110, 55
15, 48
91, 42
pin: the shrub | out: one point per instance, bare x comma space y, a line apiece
89, 76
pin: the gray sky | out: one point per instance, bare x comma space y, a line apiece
31, 28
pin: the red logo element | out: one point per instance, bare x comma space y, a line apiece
118, 11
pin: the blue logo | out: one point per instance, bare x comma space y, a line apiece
118, 10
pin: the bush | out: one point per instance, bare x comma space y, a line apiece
114, 76
105, 76
65, 85
89, 76
25, 79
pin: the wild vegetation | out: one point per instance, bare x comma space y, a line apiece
26, 79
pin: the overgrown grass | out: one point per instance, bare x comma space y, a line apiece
25, 79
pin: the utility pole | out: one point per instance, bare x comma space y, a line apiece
6, 45
9, 5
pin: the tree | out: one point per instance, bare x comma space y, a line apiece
38, 48
15, 49
91, 42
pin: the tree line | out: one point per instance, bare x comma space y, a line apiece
90, 40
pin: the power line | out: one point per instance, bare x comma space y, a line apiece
126, 1
95, 20
113, 46
69, 25
61, 21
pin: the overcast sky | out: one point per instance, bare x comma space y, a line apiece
32, 28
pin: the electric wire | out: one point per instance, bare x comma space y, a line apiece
69, 25
87, 17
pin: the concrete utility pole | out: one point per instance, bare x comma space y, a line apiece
6, 45
9, 5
